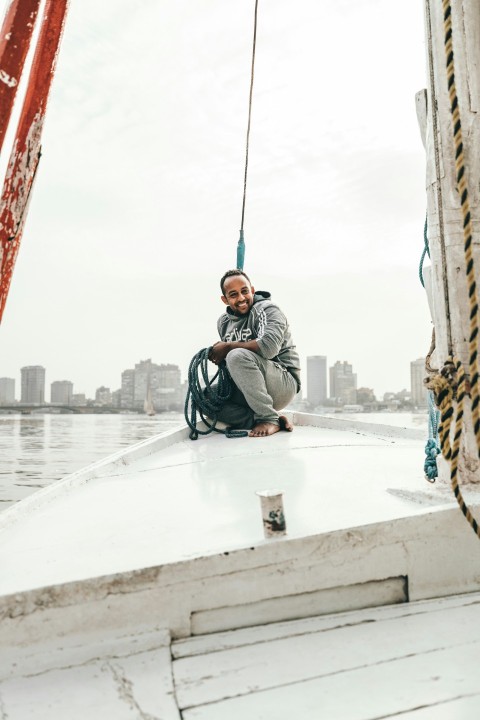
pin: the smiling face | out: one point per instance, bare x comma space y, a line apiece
238, 294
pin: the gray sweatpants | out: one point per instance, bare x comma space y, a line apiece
261, 388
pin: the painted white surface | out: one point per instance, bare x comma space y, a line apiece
109, 550
196, 498
138, 685
292, 606
367, 693
359, 666
417, 660
228, 673
204, 644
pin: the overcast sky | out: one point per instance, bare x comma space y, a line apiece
137, 204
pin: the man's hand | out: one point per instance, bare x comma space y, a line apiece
219, 352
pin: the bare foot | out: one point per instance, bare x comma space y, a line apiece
285, 423
263, 429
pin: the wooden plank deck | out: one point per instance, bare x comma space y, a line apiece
100, 678
415, 661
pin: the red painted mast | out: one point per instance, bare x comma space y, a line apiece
15, 37
26, 150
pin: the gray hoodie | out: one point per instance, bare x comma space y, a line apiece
266, 324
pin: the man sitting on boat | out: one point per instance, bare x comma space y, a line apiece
260, 356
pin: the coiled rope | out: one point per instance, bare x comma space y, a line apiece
206, 399
450, 384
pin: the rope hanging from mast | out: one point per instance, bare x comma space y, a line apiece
241, 241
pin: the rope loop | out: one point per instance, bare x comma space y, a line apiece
205, 398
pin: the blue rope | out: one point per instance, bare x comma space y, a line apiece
432, 448
426, 251
240, 251
207, 399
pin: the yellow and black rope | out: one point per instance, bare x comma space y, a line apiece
456, 449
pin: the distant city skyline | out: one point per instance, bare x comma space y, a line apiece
343, 388
158, 385
343, 384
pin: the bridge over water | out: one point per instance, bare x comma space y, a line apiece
79, 410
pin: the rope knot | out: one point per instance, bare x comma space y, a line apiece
444, 384
441, 388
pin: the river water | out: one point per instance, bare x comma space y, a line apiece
37, 449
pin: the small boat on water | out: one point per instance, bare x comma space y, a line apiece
144, 585
148, 407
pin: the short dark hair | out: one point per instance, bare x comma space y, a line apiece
232, 273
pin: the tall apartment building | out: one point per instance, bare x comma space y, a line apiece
103, 396
61, 392
167, 390
343, 383
143, 380
117, 398
32, 385
127, 389
417, 374
7, 391
316, 379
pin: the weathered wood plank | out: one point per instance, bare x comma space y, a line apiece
464, 708
381, 690
128, 688
301, 605
200, 680
203, 644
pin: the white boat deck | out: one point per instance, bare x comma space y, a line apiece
417, 662
197, 498
100, 572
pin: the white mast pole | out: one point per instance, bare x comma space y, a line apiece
446, 281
